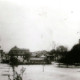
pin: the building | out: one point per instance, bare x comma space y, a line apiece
38, 57
5, 58
18, 53
39, 53
37, 60
1, 55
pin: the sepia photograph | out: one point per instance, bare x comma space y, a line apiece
39, 39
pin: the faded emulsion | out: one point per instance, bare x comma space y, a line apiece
39, 40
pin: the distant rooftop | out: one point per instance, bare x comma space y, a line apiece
16, 48
36, 58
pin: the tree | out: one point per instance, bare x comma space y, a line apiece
72, 57
61, 49
61, 52
13, 63
27, 56
52, 52
75, 54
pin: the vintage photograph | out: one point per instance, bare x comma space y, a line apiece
39, 39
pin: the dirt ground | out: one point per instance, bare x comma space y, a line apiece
40, 72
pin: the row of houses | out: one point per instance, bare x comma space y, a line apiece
39, 57
25, 56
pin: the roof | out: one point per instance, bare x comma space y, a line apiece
33, 54
36, 58
17, 51
39, 53
15, 48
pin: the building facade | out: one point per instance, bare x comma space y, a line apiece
18, 53
1, 55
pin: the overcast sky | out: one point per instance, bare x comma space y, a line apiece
39, 24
